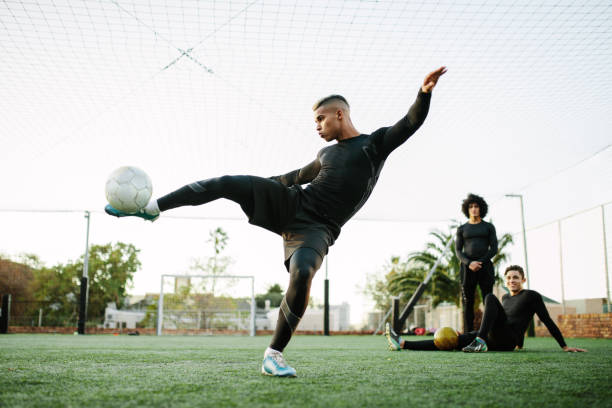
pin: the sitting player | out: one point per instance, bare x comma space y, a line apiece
503, 324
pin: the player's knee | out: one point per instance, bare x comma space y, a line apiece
489, 298
302, 274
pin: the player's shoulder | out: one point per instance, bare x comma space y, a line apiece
378, 133
487, 224
532, 294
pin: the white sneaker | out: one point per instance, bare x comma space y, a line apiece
274, 364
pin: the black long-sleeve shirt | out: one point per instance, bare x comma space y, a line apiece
476, 242
343, 175
520, 309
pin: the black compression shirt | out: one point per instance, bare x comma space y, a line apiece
520, 309
343, 175
476, 242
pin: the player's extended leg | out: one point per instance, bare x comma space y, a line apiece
468, 290
397, 343
495, 324
236, 188
303, 265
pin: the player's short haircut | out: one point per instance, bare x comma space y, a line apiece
515, 268
478, 200
328, 99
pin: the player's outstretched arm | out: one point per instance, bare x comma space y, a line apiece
553, 329
301, 176
405, 127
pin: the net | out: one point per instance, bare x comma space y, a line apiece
206, 305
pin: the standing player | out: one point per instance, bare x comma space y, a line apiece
503, 324
475, 245
309, 219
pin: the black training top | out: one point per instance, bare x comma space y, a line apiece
343, 175
476, 242
520, 309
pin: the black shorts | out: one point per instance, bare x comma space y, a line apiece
279, 209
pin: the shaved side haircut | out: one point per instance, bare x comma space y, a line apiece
329, 99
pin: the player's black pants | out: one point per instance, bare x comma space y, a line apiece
485, 278
303, 264
236, 188
494, 329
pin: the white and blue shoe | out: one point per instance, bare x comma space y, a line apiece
393, 339
110, 210
274, 364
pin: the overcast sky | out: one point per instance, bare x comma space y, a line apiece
191, 90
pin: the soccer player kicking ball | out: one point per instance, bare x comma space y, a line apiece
309, 219
503, 324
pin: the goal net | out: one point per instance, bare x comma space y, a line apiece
206, 305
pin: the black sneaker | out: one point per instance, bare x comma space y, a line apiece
476, 346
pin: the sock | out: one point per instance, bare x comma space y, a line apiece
270, 351
152, 208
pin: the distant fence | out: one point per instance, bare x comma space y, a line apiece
569, 258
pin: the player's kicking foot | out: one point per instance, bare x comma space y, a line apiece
274, 364
393, 339
476, 346
110, 210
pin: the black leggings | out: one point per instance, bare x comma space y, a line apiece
303, 265
235, 188
484, 278
494, 329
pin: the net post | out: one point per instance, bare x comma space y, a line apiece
84, 283
396, 323
5, 313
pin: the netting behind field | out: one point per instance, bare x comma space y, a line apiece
206, 305
568, 258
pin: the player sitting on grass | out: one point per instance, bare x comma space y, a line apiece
503, 324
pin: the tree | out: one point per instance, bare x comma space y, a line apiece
111, 270
404, 276
274, 295
217, 264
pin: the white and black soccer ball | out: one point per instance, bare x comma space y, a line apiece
128, 189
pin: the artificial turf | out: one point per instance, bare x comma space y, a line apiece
338, 371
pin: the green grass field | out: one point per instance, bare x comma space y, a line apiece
337, 371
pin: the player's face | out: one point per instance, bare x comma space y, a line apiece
514, 281
328, 122
474, 210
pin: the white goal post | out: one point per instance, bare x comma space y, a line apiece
195, 310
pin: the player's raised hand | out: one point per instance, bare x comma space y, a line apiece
432, 79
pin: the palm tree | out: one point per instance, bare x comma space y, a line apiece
445, 285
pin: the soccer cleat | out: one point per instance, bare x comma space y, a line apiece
274, 364
476, 346
393, 339
110, 210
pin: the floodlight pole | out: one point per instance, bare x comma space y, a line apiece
531, 329
84, 285
561, 266
605, 248
326, 303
